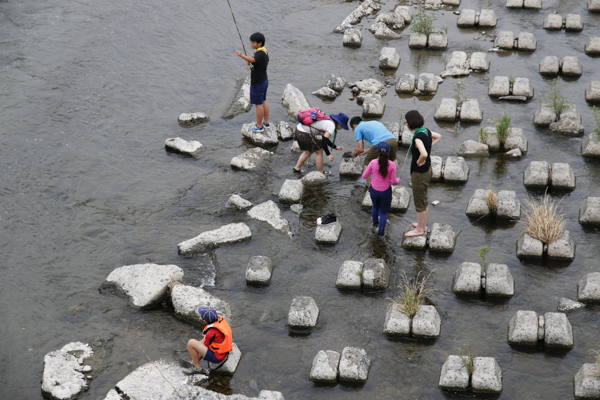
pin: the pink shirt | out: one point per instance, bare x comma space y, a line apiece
379, 182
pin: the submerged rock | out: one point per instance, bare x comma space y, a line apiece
63, 376
237, 202
269, 212
568, 305
196, 117
352, 38
326, 93
208, 240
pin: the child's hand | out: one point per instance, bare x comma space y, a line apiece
238, 53
330, 157
339, 148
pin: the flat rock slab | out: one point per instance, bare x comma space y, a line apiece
587, 382
328, 234
325, 366
499, 281
537, 174
145, 284
414, 242
523, 328
354, 365
209, 240
562, 248
291, 191
567, 305
426, 323
270, 213
562, 176
487, 375
251, 159
259, 270
588, 288
63, 376
351, 166
182, 146
557, 330
376, 274
294, 100
350, 275
238, 203
454, 375
456, 170
529, 247
442, 238
196, 117
303, 313
268, 137
467, 279
396, 322
589, 213
187, 299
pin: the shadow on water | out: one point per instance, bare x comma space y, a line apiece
469, 395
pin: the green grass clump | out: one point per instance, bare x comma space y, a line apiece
423, 23
467, 357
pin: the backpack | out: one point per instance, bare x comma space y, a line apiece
309, 116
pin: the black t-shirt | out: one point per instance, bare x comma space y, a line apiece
426, 139
259, 68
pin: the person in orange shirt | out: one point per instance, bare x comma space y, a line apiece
215, 346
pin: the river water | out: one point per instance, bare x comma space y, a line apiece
91, 90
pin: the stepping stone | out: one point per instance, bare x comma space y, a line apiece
591, 146
285, 131
270, 213
446, 111
557, 330
487, 375
471, 148
183, 146
352, 37
592, 46
570, 66
350, 275
487, 18
251, 159
291, 191
544, 116
593, 5
500, 86
373, 105
376, 274
417, 40
442, 238
454, 375
239, 203
354, 365
389, 58
532, 4
336, 82
562, 176
187, 299
537, 174
259, 271
325, 366
267, 138
303, 313
587, 382
499, 281
414, 242
509, 207
522, 87
467, 18
479, 60
457, 65
314, 178
436, 168
426, 323
567, 305
241, 100
437, 41
550, 65
526, 41
523, 328
396, 322
381, 31
589, 213
573, 23
505, 40
407, 83
588, 288
569, 123
553, 22
456, 170
269, 395
478, 206
209, 240
467, 279
351, 166
230, 366
326, 93
592, 91
516, 139
328, 234
400, 199
405, 12
196, 117
470, 111
428, 83
529, 247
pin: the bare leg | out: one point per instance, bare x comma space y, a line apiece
421, 221
303, 157
319, 160
197, 350
265, 112
260, 112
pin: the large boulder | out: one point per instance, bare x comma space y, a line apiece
251, 159
354, 365
326, 93
367, 7
270, 213
209, 240
187, 299
392, 19
294, 100
64, 373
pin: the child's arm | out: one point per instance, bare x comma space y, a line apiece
368, 171
392, 174
250, 60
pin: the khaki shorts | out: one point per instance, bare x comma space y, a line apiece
372, 154
420, 183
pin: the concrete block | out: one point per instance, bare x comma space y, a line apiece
569, 123
376, 274
477, 206
351, 166
436, 168
593, 5
537, 174
417, 41
592, 91
442, 238
532, 4
414, 242
239, 203
325, 366
373, 105
553, 22
437, 41
528, 247
389, 58
328, 234
567, 305
350, 275
426, 323
354, 365
544, 116
479, 62
573, 23
467, 18
396, 322
232, 362
562, 176
259, 270
454, 375
570, 66
446, 111
590, 147
557, 330
523, 328
509, 207
500, 86
587, 379
267, 138
456, 169
303, 313
589, 213
487, 18
550, 65
592, 46
270, 213
588, 288
514, 3
291, 191
470, 111
499, 281
428, 83
467, 279
505, 40
516, 139
406, 84
251, 159
522, 87
487, 375
314, 178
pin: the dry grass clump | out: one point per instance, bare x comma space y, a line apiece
597, 354
491, 198
412, 293
543, 221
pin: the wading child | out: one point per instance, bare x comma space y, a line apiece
258, 80
384, 175
216, 345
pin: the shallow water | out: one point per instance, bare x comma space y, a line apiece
89, 93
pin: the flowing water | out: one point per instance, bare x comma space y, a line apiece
91, 90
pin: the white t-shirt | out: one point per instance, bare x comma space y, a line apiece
326, 125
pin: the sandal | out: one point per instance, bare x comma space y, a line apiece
326, 173
297, 171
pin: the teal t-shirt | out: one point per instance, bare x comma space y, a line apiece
373, 132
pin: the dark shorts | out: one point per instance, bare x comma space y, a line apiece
307, 141
372, 154
210, 357
420, 183
258, 93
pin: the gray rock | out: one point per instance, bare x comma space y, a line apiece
400, 199
500, 86
145, 284
183, 146
523, 328
268, 137
570, 66
63, 376
550, 65
389, 58
442, 237
588, 288
573, 23
293, 100
499, 281
352, 38
492, 140
592, 91
251, 159
381, 31
406, 138
336, 82
537, 174
392, 19
237, 202
587, 379
231, 364
544, 116
590, 147
436, 168
467, 279
291, 191
407, 84
328, 234
569, 122
296, 148
325, 366
514, 3
529, 247
241, 100
269, 212
505, 40
414, 242
533, 4
562, 176
446, 111
513, 98
456, 169
557, 330
187, 299
454, 3
479, 61
373, 106
514, 153
516, 140
350, 275
394, 128
593, 5
470, 111
285, 131
487, 375
568, 305
354, 365
487, 18
522, 87
454, 375
467, 18
351, 166
478, 206
259, 270
553, 22
376, 274
509, 207
396, 322
268, 395
405, 12
367, 86
589, 213
303, 313
592, 46
196, 117
326, 93
367, 7
437, 41
417, 40
208, 240
426, 323
314, 178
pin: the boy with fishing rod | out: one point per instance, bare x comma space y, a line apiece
258, 80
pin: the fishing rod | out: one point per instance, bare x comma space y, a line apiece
236, 27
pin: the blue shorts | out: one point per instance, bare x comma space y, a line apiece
210, 357
258, 93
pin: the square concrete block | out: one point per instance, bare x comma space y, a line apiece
589, 213
588, 288
406, 84
446, 111
328, 234
478, 206
537, 174
553, 22
456, 169
325, 366
516, 139
592, 46
426, 323
303, 313
522, 87
479, 62
350, 275
573, 23
562, 176
593, 5
414, 242
354, 365
454, 375
487, 18
529, 247
523, 328
351, 166
557, 330
471, 148
526, 41
509, 207
428, 83
467, 279
259, 271
562, 248
505, 40
442, 238
470, 111
570, 66
437, 41
467, 18
500, 86
396, 322
550, 65
592, 92
532, 4
436, 168
587, 382
487, 375
417, 40
376, 274
544, 116
231, 364
499, 281
389, 58
514, 3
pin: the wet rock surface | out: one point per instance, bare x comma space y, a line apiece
251, 159
454, 375
270, 213
64, 376
376, 274
182, 146
354, 365
209, 240
487, 375
328, 234
587, 382
396, 322
350, 275
241, 100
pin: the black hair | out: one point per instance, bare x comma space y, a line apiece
258, 38
355, 121
414, 120
383, 163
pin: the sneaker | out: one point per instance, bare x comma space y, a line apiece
375, 228
329, 218
255, 129
381, 233
265, 125
193, 370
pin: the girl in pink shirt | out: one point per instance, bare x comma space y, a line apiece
384, 176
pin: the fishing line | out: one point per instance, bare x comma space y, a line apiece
236, 27
158, 369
